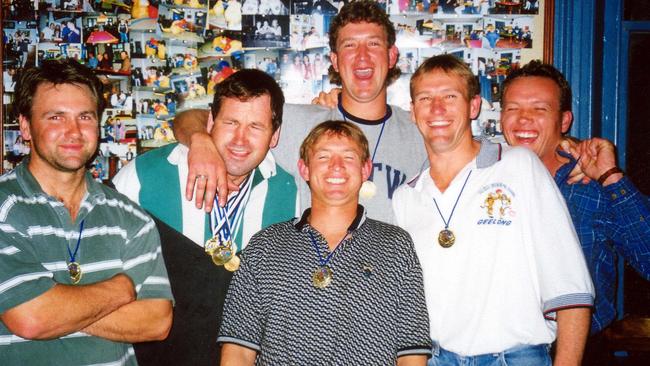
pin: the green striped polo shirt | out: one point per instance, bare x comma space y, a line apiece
36, 231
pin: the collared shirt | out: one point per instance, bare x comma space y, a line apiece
516, 258
609, 221
373, 311
36, 238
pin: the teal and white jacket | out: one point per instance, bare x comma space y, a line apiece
157, 179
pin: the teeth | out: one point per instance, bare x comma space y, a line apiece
363, 72
526, 135
438, 123
335, 180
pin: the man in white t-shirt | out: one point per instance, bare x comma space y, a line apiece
504, 274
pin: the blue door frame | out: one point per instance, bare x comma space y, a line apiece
599, 83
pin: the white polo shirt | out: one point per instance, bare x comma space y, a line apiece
516, 258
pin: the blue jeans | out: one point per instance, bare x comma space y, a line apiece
524, 355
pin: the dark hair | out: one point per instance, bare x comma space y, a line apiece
540, 69
250, 83
336, 128
358, 12
64, 71
450, 65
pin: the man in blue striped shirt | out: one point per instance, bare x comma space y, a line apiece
609, 213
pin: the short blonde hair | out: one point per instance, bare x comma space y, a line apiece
337, 128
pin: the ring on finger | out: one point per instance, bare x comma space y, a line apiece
201, 176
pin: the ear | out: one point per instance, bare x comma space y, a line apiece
413, 113
210, 123
475, 107
334, 59
366, 169
393, 54
274, 138
24, 128
303, 169
567, 118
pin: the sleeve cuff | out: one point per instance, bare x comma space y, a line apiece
567, 301
238, 341
415, 350
620, 191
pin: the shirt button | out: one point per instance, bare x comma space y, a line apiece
614, 196
623, 191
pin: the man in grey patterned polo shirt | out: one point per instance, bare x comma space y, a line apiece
334, 287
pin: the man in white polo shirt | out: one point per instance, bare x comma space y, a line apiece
503, 270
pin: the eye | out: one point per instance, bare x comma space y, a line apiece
451, 96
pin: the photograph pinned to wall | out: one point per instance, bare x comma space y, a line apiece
119, 154
183, 23
19, 41
303, 74
15, 147
139, 9
217, 69
515, 7
18, 10
225, 14
221, 43
309, 31
265, 31
513, 32
102, 28
99, 168
317, 7
118, 127
154, 132
265, 7
191, 90
161, 104
117, 90
150, 74
181, 57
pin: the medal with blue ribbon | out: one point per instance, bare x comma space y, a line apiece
226, 222
323, 275
446, 237
74, 268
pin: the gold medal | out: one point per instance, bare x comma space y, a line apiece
223, 253
368, 190
233, 264
322, 277
211, 244
446, 238
74, 269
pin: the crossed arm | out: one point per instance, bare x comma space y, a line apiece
107, 309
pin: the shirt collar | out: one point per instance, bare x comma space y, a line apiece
349, 116
563, 172
489, 154
32, 188
302, 223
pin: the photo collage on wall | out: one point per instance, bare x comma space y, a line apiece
158, 57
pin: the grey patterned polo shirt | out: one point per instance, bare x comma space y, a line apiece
372, 313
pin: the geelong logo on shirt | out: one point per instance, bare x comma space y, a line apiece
497, 205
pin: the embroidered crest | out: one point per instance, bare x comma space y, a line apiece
498, 206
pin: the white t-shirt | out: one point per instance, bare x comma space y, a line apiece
515, 260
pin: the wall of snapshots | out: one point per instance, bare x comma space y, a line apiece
158, 57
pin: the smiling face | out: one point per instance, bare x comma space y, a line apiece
531, 116
442, 112
363, 59
335, 170
63, 127
243, 133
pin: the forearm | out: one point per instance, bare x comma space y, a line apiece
572, 330
65, 309
236, 355
138, 321
412, 360
188, 123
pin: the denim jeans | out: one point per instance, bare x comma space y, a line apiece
524, 355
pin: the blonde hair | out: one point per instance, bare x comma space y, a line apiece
336, 128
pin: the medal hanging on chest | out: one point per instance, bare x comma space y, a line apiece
74, 268
222, 247
369, 188
323, 275
446, 237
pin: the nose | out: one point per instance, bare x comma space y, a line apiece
362, 52
74, 128
336, 163
438, 105
240, 135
